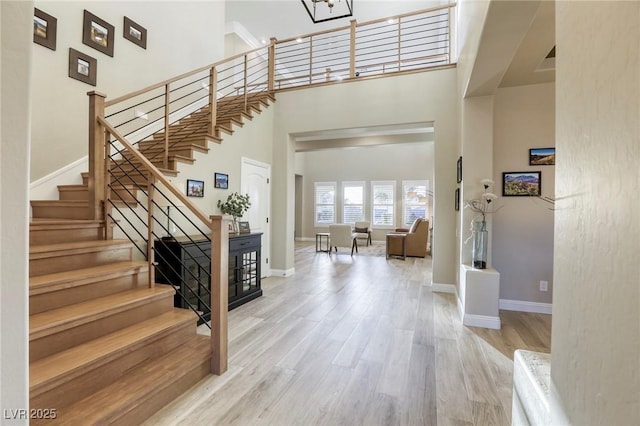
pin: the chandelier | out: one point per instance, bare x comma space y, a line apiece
327, 10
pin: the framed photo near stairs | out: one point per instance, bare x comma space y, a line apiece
135, 33
82, 67
98, 33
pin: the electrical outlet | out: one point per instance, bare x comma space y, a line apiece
544, 285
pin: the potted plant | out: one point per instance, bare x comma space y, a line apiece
236, 205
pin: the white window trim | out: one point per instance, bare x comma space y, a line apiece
361, 184
373, 203
315, 204
424, 182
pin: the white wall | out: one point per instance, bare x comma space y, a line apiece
524, 117
175, 44
385, 162
414, 98
595, 342
16, 36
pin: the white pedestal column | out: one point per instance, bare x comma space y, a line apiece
479, 297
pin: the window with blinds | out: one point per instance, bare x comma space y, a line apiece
352, 202
415, 200
325, 205
383, 204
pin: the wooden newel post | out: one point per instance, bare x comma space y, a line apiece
272, 65
213, 99
96, 152
219, 293
352, 50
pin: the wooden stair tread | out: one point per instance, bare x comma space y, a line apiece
66, 365
44, 222
142, 385
76, 246
57, 320
77, 187
61, 280
70, 203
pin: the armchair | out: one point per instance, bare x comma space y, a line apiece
363, 230
341, 236
416, 240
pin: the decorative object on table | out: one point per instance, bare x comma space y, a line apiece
221, 180
135, 32
542, 157
479, 234
195, 188
45, 29
83, 67
459, 170
236, 205
516, 184
456, 199
243, 227
98, 33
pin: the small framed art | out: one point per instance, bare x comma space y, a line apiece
135, 33
456, 199
221, 181
97, 33
542, 156
243, 227
195, 188
459, 170
82, 67
521, 184
45, 28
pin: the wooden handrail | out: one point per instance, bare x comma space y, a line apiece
404, 15
154, 170
177, 78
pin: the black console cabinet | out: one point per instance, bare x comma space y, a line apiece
188, 258
244, 268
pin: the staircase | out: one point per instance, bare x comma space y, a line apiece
105, 348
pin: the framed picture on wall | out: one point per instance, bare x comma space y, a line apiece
195, 188
135, 33
45, 28
542, 156
221, 181
459, 170
82, 67
456, 199
98, 33
525, 184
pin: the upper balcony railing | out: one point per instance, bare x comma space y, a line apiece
409, 42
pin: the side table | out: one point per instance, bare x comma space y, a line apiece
403, 239
319, 237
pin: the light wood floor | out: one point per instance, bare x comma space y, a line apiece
359, 341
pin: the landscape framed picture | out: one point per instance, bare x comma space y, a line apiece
97, 33
526, 184
82, 67
542, 156
45, 28
221, 181
459, 170
195, 188
135, 33
456, 199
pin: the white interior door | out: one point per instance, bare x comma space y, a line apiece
255, 181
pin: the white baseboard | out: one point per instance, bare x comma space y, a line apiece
481, 321
444, 288
283, 272
522, 306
